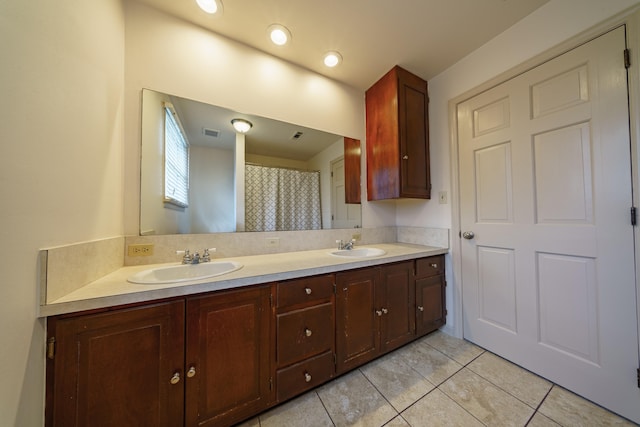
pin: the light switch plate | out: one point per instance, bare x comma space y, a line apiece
442, 197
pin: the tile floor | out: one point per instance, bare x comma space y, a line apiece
438, 381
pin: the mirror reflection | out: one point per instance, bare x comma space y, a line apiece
276, 176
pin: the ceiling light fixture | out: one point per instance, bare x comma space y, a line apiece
279, 34
333, 58
210, 6
241, 125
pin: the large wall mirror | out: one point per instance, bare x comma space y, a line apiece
276, 177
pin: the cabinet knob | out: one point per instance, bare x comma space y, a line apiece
385, 311
308, 291
175, 379
405, 157
379, 312
420, 308
307, 377
191, 372
307, 332
434, 265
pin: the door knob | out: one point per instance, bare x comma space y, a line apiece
468, 235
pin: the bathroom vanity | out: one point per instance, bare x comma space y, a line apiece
218, 357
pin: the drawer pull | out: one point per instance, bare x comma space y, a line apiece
175, 379
308, 291
307, 377
379, 312
307, 332
191, 372
385, 311
434, 265
420, 308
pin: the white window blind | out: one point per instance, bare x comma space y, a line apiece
176, 160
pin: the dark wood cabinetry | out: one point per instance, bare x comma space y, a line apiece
305, 336
375, 312
396, 301
117, 368
397, 129
228, 361
133, 367
431, 311
352, 159
357, 326
219, 358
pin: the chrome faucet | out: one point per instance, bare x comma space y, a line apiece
345, 246
188, 258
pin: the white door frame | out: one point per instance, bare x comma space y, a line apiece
631, 19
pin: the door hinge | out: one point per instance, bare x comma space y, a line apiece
634, 216
335, 289
627, 58
51, 348
271, 300
638, 371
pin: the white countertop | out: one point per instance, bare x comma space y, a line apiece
113, 289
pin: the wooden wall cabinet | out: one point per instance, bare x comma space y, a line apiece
134, 367
397, 130
352, 161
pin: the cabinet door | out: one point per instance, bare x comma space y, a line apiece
352, 155
413, 104
228, 360
357, 325
396, 303
430, 304
115, 368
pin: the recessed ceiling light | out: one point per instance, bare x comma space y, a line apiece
279, 34
210, 6
331, 59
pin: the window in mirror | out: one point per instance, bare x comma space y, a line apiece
176, 160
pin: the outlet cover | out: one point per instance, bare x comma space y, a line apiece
140, 250
272, 242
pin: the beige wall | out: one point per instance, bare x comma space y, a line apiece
174, 57
61, 169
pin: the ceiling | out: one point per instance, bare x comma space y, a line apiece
268, 137
423, 36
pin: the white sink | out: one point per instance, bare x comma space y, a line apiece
184, 272
359, 253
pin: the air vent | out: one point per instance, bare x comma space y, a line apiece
213, 133
296, 135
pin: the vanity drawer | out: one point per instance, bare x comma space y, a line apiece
304, 375
432, 266
305, 291
303, 333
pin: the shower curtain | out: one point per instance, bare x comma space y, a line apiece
279, 199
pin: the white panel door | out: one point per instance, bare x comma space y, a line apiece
545, 185
343, 215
